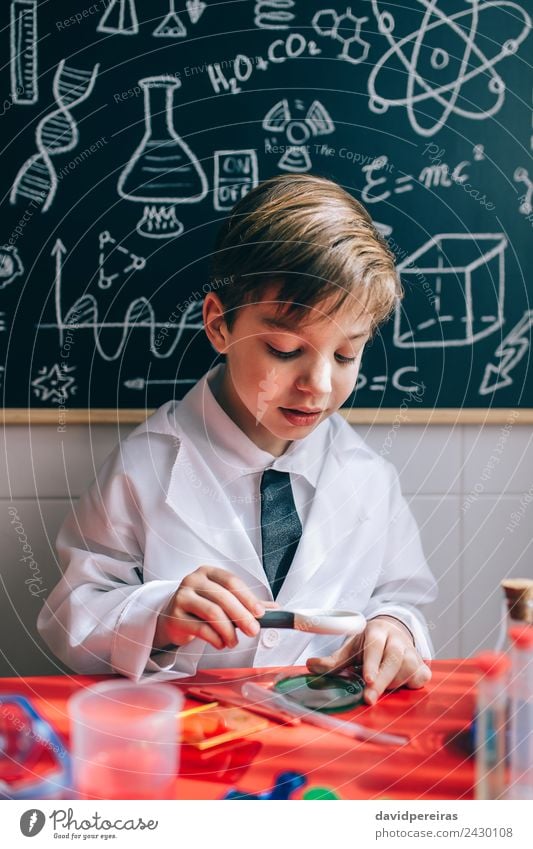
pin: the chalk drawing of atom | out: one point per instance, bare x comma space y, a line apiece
443, 66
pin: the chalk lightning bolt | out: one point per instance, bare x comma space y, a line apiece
510, 351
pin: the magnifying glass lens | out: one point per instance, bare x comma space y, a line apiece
326, 693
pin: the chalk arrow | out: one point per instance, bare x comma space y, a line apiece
195, 9
58, 251
510, 352
59, 248
142, 383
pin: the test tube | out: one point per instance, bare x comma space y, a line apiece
490, 726
521, 714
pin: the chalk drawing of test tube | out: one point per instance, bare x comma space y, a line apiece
56, 133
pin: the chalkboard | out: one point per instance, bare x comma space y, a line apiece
129, 129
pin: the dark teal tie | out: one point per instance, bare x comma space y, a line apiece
281, 528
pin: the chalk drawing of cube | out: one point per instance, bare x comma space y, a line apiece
454, 291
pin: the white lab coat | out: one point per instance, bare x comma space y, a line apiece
156, 512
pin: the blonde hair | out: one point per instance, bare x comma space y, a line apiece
314, 239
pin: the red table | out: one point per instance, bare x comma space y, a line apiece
434, 765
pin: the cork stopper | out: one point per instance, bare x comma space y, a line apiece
519, 595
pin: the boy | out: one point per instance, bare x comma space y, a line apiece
252, 492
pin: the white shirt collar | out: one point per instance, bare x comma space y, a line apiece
229, 452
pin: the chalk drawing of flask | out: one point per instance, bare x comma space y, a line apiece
163, 171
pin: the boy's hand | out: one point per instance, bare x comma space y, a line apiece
210, 603
387, 653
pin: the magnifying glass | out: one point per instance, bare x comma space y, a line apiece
315, 621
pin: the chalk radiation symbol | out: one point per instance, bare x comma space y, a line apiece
298, 128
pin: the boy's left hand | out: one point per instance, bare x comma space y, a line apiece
388, 656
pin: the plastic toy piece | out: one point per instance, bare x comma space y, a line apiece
320, 793
24, 736
285, 784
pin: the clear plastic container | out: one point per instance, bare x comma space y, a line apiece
490, 726
124, 740
520, 756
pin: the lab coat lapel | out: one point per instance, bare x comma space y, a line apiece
196, 496
338, 508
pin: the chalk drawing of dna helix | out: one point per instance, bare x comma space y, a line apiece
56, 133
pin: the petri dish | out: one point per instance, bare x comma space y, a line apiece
325, 693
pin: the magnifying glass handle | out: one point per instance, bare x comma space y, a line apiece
277, 619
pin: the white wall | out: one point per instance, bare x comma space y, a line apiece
463, 500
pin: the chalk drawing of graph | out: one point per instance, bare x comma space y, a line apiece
56, 133
444, 62
455, 285
83, 314
23, 45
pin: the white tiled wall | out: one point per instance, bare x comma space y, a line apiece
475, 516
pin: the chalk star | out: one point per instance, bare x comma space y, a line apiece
54, 383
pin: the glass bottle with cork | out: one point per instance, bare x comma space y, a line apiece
517, 608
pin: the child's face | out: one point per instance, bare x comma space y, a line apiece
282, 380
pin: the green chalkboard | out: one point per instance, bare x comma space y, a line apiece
129, 129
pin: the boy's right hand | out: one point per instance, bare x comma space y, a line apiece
210, 603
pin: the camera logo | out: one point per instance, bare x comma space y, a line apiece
32, 822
